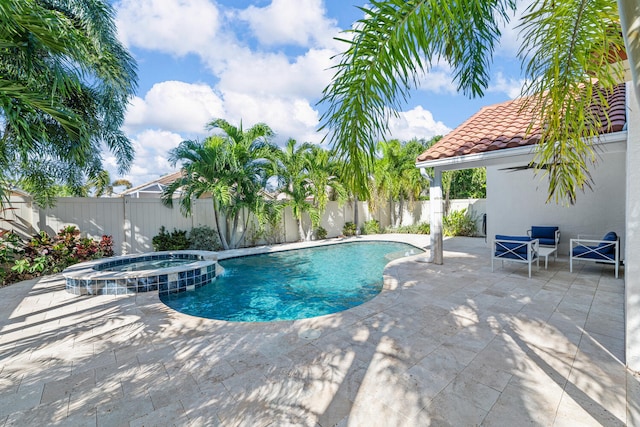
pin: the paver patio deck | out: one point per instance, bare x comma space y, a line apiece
442, 345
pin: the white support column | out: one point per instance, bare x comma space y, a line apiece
632, 236
435, 205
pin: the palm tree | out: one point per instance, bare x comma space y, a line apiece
395, 175
293, 167
323, 181
567, 50
104, 186
64, 87
232, 169
251, 158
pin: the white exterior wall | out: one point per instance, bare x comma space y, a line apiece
632, 246
517, 200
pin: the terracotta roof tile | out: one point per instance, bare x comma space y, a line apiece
504, 125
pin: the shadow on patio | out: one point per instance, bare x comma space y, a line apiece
442, 345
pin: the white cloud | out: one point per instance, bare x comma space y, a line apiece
288, 117
438, 80
275, 74
512, 87
296, 22
152, 147
510, 40
175, 106
415, 123
171, 26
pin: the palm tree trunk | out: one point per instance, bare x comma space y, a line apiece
216, 217
355, 212
244, 229
233, 231
400, 211
300, 229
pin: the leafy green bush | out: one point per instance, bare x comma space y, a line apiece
371, 227
204, 238
321, 233
175, 241
420, 228
349, 229
44, 254
460, 223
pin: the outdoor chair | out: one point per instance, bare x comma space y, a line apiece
605, 250
521, 249
547, 236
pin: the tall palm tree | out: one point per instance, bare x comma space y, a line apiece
252, 156
232, 169
65, 82
395, 175
292, 172
323, 180
567, 50
204, 172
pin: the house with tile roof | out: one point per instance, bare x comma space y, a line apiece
151, 189
504, 139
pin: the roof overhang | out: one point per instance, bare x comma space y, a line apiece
612, 142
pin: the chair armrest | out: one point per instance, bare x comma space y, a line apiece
588, 237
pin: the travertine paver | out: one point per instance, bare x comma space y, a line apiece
441, 345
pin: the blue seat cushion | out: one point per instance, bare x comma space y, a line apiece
546, 234
594, 252
547, 242
510, 249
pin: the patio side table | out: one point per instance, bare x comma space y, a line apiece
545, 252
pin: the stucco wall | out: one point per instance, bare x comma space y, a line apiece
632, 262
517, 200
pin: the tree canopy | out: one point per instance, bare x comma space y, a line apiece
571, 50
65, 82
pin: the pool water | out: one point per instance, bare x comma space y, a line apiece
294, 284
150, 265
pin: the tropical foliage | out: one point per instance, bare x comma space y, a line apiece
306, 175
232, 168
43, 254
395, 176
566, 51
65, 81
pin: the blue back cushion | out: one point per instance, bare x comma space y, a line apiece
543, 232
515, 247
607, 247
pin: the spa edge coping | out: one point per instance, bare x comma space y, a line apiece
86, 270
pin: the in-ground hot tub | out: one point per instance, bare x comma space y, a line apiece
165, 272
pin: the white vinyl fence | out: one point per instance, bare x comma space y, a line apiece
132, 222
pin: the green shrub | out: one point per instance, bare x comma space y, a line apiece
44, 254
204, 238
421, 228
460, 223
321, 233
371, 227
349, 229
174, 241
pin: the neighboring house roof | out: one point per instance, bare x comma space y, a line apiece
505, 125
155, 186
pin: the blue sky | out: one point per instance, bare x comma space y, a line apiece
262, 61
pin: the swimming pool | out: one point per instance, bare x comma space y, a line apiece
293, 284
